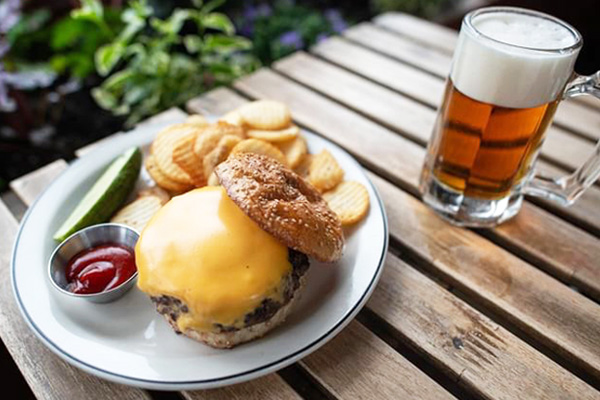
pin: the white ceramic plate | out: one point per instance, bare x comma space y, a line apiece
129, 342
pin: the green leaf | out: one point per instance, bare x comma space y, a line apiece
90, 9
193, 43
212, 5
108, 56
219, 22
173, 24
116, 82
226, 44
104, 98
197, 3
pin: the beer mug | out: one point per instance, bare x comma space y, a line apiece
511, 68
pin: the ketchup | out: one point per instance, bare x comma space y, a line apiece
100, 268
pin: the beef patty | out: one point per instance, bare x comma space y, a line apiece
171, 307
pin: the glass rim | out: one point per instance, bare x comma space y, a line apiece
468, 22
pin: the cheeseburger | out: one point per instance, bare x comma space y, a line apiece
225, 264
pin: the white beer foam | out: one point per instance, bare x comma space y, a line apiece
508, 76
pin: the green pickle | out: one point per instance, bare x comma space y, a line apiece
106, 196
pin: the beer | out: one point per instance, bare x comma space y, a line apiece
484, 150
509, 71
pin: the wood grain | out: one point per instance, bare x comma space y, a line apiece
48, 376
570, 115
547, 310
585, 212
29, 186
356, 364
269, 387
476, 352
501, 280
560, 147
419, 30
266, 84
400, 48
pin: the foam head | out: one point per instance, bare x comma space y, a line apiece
514, 58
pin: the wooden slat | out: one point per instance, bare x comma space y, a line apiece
375, 101
400, 112
588, 101
358, 365
473, 350
419, 30
29, 186
579, 119
270, 387
500, 280
549, 311
48, 376
403, 49
355, 364
570, 115
585, 211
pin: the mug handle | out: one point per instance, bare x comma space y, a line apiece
565, 190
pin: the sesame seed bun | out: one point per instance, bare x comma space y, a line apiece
283, 204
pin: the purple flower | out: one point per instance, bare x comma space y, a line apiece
264, 10
246, 29
321, 37
336, 20
291, 39
252, 12
10, 12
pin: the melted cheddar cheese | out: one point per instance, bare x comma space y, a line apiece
202, 249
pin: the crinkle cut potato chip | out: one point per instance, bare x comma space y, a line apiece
274, 136
162, 180
157, 192
304, 165
295, 150
259, 147
219, 153
233, 117
324, 172
137, 213
349, 200
186, 159
162, 150
196, 119
266, 114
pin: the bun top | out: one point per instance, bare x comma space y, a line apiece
282, 204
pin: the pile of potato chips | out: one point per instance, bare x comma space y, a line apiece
184, 156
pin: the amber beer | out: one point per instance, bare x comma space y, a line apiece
510, 69
483, 150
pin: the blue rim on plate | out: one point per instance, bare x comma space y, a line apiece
246, 375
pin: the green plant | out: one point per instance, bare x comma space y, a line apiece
286, 27
75, 38
154, 64
67, 46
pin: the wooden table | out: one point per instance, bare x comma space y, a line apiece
510, 312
